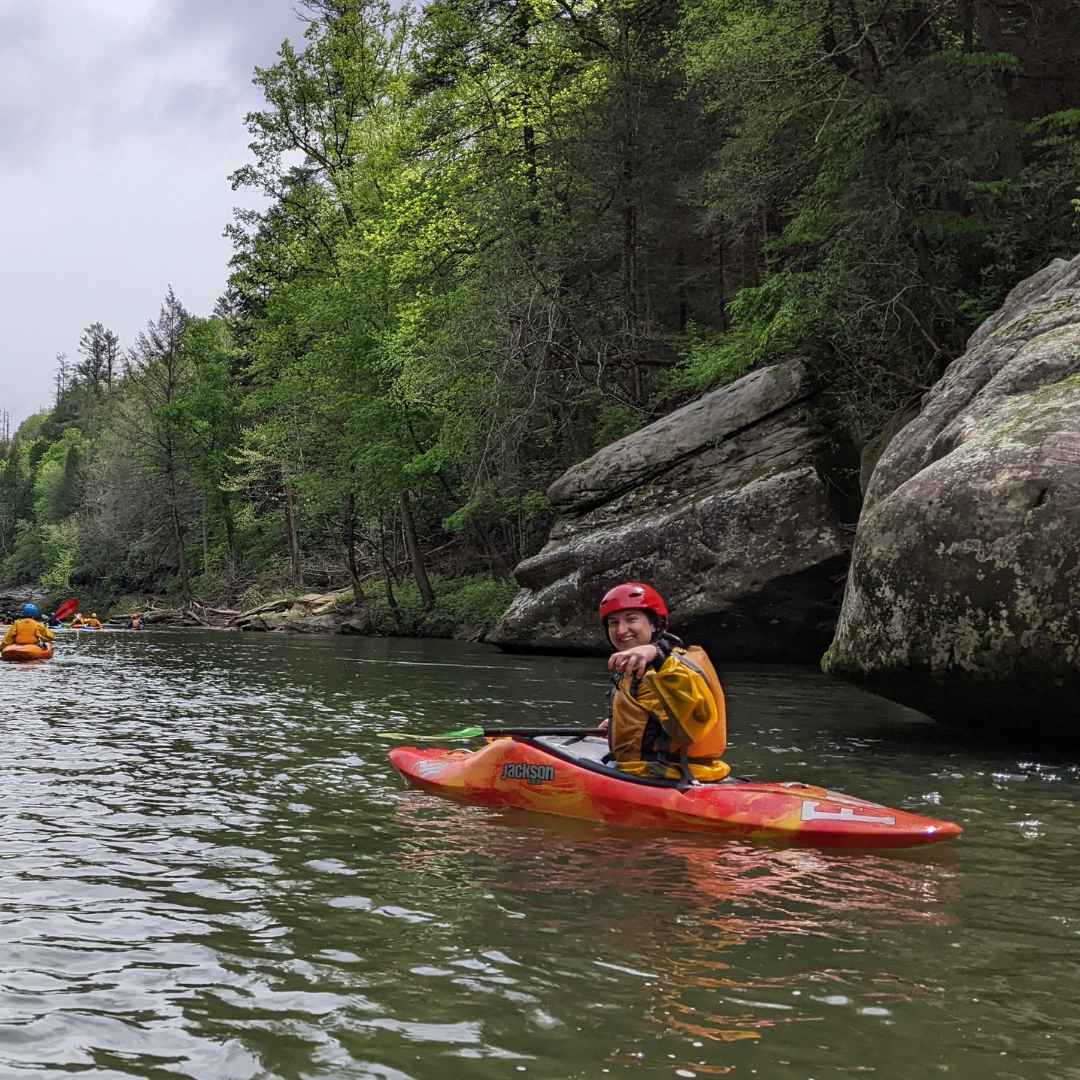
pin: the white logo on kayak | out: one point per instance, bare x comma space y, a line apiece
428, 769
524, 770
810, 812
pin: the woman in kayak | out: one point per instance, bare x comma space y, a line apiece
28, 629
667, 705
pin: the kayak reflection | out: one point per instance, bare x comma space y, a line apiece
685, 921
750, 890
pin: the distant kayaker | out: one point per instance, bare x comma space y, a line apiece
667, 706
28, 629
135, 622
93, 623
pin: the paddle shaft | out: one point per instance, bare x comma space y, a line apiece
489, 733
525, 733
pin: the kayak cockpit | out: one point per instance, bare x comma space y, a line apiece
589, 752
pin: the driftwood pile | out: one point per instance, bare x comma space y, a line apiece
314, 613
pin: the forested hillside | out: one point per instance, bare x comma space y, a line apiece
499, 234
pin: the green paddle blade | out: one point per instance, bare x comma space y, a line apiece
461, 733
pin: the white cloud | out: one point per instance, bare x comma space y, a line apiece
120, 122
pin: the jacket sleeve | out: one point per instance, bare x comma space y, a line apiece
9, 637
680, 698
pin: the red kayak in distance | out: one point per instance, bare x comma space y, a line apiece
565, 776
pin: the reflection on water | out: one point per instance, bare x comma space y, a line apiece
780, 889
668, 897
210, 870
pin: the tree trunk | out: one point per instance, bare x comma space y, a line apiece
293, 535
495, 559
350, 551
230, 530
528, 135
388, 584
629, 181
180, 541
416, 556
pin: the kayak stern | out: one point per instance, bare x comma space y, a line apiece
24, 653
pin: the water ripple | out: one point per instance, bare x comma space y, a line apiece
210, 870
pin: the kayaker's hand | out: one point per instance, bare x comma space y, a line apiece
633, 661
603, 725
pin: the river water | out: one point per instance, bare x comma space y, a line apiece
209, 870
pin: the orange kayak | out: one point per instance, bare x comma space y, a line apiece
565, 776
18, 653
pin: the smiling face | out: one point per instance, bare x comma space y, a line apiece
625, 629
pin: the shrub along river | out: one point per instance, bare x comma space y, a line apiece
210, 870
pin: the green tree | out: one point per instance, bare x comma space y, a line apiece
100, 349
153, 420
58, 481
881, 164
208, 408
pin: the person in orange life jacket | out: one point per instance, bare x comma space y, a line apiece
667, 705
28, 629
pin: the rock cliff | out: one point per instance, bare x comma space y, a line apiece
725, 505
964, 593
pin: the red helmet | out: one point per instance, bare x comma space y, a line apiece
633, 595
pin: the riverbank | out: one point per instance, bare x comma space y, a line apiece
466, 608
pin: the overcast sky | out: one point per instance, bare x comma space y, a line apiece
120, 121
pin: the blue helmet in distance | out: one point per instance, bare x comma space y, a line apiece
29, 611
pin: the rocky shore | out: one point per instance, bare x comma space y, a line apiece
313, 613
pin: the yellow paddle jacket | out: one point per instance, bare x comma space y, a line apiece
672, 720
27, 632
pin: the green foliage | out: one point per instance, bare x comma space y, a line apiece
58, 482
493, 238
470, 601
59, 552
25, 561
893, 191
615, 421
772, 322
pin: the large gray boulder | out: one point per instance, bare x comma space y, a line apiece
964, 593
726, 506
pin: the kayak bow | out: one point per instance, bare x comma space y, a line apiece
566, 777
